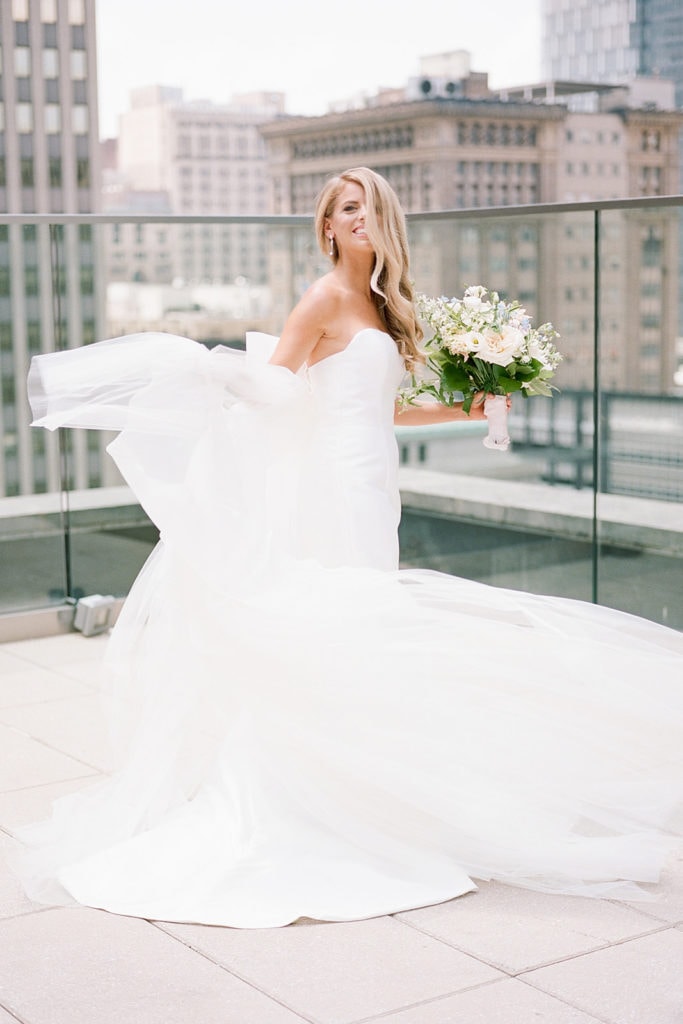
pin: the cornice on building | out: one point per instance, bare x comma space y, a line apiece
410, 110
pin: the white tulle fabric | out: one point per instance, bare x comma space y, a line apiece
303, 729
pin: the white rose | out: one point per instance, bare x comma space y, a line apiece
498, 348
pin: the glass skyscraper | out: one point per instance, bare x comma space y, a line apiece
613, 40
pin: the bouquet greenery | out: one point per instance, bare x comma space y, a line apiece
480, 343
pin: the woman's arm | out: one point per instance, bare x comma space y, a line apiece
422, 413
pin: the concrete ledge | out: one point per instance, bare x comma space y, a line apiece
41, 514
639, 523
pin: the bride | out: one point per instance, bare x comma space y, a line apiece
303, 729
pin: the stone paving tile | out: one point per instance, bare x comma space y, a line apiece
11, 662
24, 806
13, 901
503, 1002
32, 684
55, 651
636, 982
79, 966
7, 1018
75, 727
337, 973
90, 672
26, 762
516, 929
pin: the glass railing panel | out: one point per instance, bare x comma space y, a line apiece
210, 281
33, 569
521, 518
640, 556
529, 519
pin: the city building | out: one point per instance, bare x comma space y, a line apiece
448, 142
613, 40
192, 158
49, 164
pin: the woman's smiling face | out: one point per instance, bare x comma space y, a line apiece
347, 223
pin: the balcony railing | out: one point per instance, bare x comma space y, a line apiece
586, 504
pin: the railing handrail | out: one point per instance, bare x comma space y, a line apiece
301, 220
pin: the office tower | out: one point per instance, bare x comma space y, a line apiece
48, 165
200, 158
613, 40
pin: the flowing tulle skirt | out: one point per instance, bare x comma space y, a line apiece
338, 743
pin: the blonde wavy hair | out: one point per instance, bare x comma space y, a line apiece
385, 224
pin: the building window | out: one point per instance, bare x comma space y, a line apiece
80, 92
23, 90
51, 90
652, 251
83, 173
24, 116
87, 280
22, 62
21, 37
33, 337
26, 165
50, 63
31, 280
76, 12
89, 335
77, 37
79, 120
48, 10
50, 36
53, 119
650, 140
55, 171
78, 65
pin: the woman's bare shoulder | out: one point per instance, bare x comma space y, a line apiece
308, 322
324, 295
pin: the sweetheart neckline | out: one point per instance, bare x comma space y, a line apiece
333, 355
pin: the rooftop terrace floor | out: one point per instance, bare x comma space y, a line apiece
498, 956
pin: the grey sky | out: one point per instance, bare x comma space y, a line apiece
315, 52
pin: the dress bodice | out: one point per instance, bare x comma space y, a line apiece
352, 519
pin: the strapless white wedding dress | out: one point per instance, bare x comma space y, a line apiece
305, 730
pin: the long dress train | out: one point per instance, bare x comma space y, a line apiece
305, 730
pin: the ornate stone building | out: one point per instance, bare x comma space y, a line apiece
449, 144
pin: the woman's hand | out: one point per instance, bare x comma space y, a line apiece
478, 404
477, 408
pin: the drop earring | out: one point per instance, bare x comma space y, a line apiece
331, 238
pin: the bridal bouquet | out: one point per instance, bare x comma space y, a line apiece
481, 343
